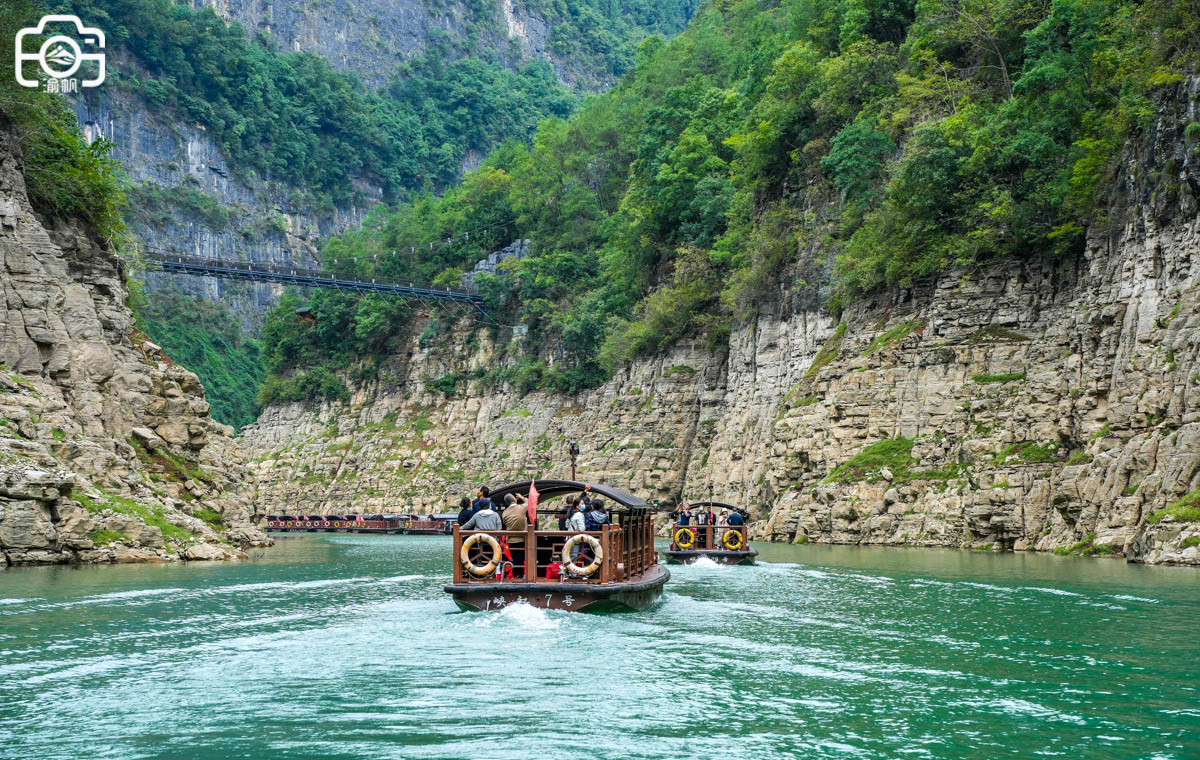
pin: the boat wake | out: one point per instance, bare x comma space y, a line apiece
520, 615
705, 563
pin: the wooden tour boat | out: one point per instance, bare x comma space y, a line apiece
726, 544
614, 569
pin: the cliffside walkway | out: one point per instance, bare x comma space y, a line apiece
311, 278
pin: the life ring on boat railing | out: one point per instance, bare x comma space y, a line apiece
597, 555
479, 570
690, 536
733, 540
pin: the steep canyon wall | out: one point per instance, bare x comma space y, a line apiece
107, 451
1026, 406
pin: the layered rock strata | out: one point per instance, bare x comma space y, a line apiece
1026, 406
107, 451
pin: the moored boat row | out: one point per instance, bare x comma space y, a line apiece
356, 523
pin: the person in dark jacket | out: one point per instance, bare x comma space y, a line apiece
464, 510
482, 500
684, 515
485, 519
596, 518
565, 513
735, 518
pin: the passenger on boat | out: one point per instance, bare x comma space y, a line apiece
515, 519
464, 510
575, 520
482, 499
484, 519
736, 519
595, 518
685, 515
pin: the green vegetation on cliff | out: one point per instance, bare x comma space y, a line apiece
852, 144
206, 338
66, 178
293, 118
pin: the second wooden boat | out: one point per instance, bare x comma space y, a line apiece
725, 544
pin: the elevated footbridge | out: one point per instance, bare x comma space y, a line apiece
256, 271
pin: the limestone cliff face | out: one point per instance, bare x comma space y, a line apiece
373, 37
178, 163
107, 452
1023, 407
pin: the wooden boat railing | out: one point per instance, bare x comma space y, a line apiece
708, 537
628, 551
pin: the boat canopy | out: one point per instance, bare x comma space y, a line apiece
718, 505
549, 489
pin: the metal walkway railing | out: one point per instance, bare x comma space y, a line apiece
265, 272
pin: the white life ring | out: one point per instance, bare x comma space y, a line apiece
479, 570
597, 553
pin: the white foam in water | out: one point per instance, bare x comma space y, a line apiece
708, 564
529, 617
290, 585
989, 587
328, 582
132, 594
1045, 590
1016, 706
871, 578
815, 573
400, 578
1122, 597
21, 601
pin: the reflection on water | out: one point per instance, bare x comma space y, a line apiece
346, 647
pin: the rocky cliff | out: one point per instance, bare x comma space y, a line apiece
107, 452
373, 39
185, 197
1028, 406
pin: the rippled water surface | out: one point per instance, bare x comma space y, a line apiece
346, 647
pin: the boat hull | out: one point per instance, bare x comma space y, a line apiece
720, 556
630, 596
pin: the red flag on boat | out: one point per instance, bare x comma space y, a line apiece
533, 499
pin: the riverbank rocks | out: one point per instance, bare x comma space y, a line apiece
210, 553
1033, 405
97, 436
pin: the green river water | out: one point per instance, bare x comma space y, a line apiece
345, 647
